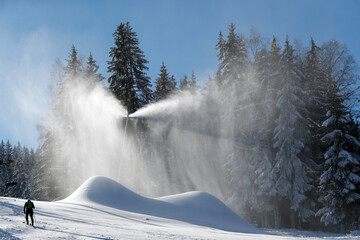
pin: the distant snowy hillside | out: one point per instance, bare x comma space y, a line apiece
193, 207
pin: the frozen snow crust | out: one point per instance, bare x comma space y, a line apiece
198, 208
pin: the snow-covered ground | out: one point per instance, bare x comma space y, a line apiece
103, 209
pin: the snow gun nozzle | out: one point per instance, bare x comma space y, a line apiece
131, 116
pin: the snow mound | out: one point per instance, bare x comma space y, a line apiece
197, 208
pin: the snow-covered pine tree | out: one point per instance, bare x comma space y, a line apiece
164, 84
272, 85
34, 166
28, 172
232, 73
9, 165
233, 59
339, 181
128, 80
262, 152
45, 186
292, 181
232, 76
2, 168
316, 86
19, 174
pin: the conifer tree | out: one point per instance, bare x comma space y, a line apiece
292, 181
164, 84
45, 186
8, 161
184, 84
316, 87
19, 173
262, 151
193, 83
128, 80
220, 46
233, 58
2, 168
232, 75
73, 66
27, 172
91, 69
172, 83
339, 181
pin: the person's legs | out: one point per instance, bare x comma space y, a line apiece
27, 217
32, 219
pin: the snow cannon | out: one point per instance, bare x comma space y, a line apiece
131, 123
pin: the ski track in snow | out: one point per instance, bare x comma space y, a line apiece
93, 220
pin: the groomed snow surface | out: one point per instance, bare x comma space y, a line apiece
103, 209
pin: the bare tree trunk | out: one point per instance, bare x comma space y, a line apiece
292, 219
277, 215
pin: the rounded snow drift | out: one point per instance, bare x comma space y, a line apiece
197, 208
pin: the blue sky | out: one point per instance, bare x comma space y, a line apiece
183, 34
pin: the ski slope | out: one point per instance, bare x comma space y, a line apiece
103, 209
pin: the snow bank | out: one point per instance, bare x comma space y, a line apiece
193, 207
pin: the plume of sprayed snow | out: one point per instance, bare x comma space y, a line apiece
199, 140
177, 105
184, 144
87, 133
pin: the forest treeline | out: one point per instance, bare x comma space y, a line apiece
294, 106
17, 170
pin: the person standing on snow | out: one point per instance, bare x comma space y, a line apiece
28, 209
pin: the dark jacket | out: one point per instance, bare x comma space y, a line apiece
28, 207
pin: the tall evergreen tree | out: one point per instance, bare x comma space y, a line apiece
128, 80
339, 182
164, 84
34, 166
91, 69
262, 152
316, 87
233, 74
233, 58
19, 174
27, 172
73, 66
9, 164
3, 168
220, 46
292, 181
45, 185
